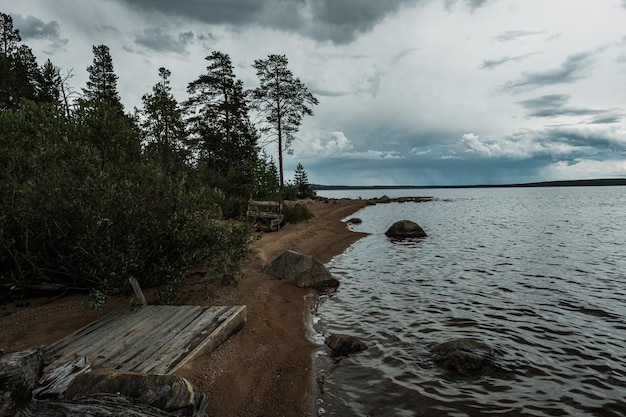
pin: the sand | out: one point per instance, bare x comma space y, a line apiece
266, 369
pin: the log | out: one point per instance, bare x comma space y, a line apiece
99, 405
19, 373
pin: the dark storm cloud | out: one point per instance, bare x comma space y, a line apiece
324, 20
490, 64
157, 39
554, 105
512, 35
583, 143
574, 68
31, 27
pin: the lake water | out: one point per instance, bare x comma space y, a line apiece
538, 273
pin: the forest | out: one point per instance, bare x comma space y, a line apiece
93, 194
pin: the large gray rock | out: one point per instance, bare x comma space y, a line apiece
405, 229
301, 270
465, 356
342, 344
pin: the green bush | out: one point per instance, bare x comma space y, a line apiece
68, 216
297, 212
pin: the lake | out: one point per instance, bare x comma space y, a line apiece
537, 273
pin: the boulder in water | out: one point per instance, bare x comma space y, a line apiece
301, 270
466, 356
342, 344
405, 229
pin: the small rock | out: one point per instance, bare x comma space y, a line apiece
354, 220
342, 345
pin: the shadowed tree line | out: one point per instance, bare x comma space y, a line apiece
92, 194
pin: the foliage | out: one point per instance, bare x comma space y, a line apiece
222, 138
297, 212
162, 124
91, 195
283, 101
301, 183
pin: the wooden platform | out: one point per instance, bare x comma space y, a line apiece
156, 339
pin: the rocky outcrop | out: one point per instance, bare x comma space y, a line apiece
465, 356
301, 270
343, 345
405, 229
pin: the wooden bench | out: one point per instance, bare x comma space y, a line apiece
269, 213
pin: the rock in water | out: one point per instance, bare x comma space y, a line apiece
342, 344
405, 229
301, 270
465, 356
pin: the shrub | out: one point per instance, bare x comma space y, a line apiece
297, 212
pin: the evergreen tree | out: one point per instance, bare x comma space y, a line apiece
19, 73
50, 84
283, 101
223, 139
301, 182
162, 124
101, 113
102, 84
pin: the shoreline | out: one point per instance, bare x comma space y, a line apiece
267, 368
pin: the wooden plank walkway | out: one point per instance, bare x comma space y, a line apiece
156, 339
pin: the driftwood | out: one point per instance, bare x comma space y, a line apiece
19, 373
100, 405
57, 394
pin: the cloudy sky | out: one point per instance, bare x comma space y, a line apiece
411, 92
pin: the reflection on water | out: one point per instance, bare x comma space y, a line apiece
537, 273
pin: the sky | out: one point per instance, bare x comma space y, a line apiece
411, 92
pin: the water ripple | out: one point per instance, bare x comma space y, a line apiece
538, 274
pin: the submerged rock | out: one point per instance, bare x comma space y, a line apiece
405, 229
301, 270
342, 344
465, 356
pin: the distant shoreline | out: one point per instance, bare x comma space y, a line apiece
574, 183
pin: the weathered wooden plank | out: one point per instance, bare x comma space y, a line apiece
149, 339
89, 344
88, 329
171, 352
154, 338
126, 337
233, 323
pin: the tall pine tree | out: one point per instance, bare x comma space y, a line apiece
222, 136
283, 101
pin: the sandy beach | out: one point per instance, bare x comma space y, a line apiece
263, 370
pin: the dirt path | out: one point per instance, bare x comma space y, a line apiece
265, 369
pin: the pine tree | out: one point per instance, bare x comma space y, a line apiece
50, 84
102, 84
283, 101
19, 72
222, 136
301, 182
163, 127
